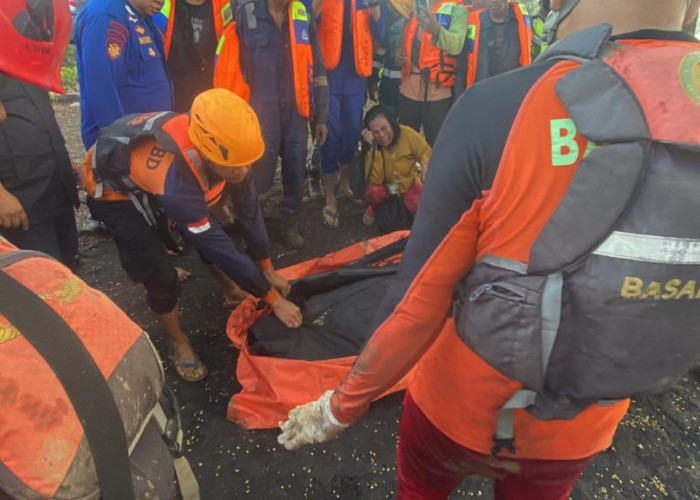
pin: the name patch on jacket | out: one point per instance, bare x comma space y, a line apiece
300, 20
674, 289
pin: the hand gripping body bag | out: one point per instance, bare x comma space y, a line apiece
279, 368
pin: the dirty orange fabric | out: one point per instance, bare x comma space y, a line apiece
39, 429
149, 167
271, 387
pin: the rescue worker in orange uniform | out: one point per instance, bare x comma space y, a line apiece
347, 29
499, 39
272, 56
502, 184
432, 41
185, 162
191, 30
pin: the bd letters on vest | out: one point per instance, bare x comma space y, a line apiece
114, 165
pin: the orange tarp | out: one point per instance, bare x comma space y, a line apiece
271, 387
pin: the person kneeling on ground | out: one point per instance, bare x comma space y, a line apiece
184, 162
391, 162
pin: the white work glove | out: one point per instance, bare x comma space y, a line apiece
310, 423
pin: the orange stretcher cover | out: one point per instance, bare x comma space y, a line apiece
271, 387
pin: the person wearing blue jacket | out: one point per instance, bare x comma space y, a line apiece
121, 63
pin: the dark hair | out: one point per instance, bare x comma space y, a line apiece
379, 110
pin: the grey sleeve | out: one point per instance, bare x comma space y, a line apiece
321, 91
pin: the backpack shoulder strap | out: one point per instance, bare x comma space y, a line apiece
609, 177
80, 377
583, 45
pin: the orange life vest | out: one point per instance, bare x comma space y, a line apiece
441, 65
227, 63
151, 161
474, 35
223, 16
330, 32
540, 160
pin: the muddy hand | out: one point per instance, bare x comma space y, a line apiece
310, 423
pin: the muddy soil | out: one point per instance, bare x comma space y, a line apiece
656, 452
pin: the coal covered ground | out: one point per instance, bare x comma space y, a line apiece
655, 454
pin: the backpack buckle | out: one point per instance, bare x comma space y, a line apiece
503, 444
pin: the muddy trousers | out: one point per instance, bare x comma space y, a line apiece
430, 465
141, 252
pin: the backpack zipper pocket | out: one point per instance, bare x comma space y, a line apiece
500, 290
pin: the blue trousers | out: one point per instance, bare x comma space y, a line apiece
286, 135
344, 128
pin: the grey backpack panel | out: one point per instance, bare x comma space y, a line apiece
597, 197
498, 315
136, 382
590, 93
585, 44
631, 315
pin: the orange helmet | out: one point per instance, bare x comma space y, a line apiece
225, 129
35, 34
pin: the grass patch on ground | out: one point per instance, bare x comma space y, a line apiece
69, 71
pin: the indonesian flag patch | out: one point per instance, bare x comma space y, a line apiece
200, 226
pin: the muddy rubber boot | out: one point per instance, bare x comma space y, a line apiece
292, 237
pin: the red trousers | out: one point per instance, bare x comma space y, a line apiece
431, 465
377, 193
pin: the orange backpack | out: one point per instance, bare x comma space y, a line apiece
79, 388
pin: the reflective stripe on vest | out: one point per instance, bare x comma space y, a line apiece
302, 57
474, 34
227, 66
441, 65
222, 13
330, 32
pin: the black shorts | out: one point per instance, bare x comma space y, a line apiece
141, 252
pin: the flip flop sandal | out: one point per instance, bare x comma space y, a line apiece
345, 193
330, 217
183, 369
182, 274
